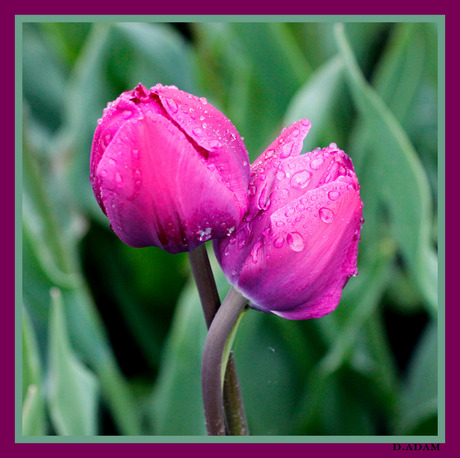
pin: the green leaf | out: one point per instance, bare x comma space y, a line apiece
177, 407
419, 393
159, 55
73, 389
343, 328
33, 409
33, 412
261, 61
402, 182
31, 364
316, 101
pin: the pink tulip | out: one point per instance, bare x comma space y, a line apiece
297, 245
168, 169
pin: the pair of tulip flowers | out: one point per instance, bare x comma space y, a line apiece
170, 170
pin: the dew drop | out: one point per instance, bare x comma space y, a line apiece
255, 251
278, 242
112, 162
230, 230
295, 241
135, 153
119, 180
300, 179
295, 133
315, 164
204, 235
203, 100
126, 114
286, 149
333, 195
280, 175
290, 212
197, 131
279, 224
326, 215
172, 105
264, 198
270, 153
215, 144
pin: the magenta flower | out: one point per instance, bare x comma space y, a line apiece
298, 243
168, 169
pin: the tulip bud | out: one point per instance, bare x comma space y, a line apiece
297, 245
168, 169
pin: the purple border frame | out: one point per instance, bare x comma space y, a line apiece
8, 446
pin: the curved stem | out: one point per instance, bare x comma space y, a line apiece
219, 332
209, 297
204, 280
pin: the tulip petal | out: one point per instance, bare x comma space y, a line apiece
212, 131
322, 244
158, 190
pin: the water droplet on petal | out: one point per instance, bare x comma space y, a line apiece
215, 144
119, 180
203, 100
280, 175
204, 235
286, 149
333, 195
127, 114
295, 241
255, 251
264, 199
315, 164
326, 215
300, 179
278, 242
172, 105
197, 131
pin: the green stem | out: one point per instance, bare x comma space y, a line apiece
204, 280
216, 343
207, 290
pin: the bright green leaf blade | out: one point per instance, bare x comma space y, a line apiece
357, 307
73, 389
177, 407
159, 54
316, 101
31, 364
403, 183
418, 402
33, 409
33, 412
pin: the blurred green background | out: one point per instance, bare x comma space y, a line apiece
112, 335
